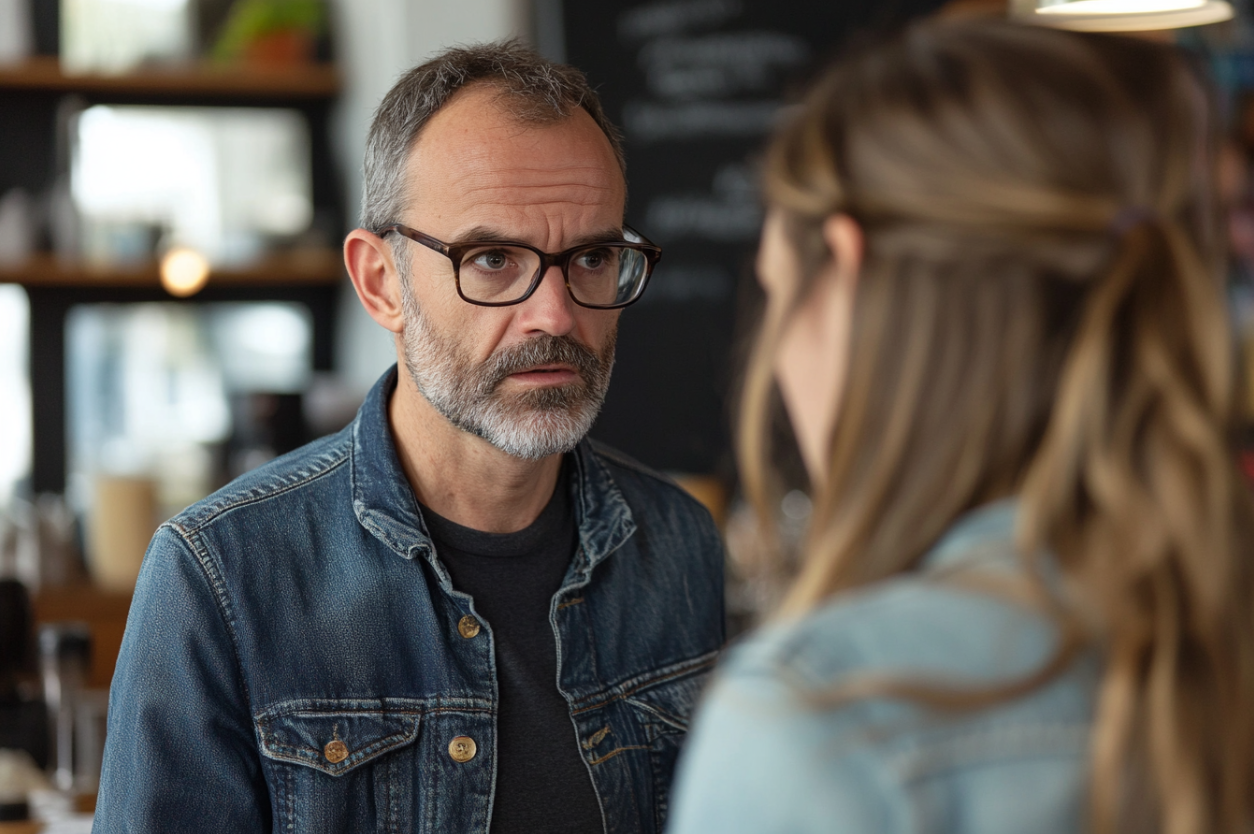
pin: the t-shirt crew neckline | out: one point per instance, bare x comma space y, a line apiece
534, 537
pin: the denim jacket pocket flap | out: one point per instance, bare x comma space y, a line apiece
668, 704
335, 741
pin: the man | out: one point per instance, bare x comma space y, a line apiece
457, 614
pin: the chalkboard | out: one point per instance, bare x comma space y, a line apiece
695, 86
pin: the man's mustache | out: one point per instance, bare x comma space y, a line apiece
542, 350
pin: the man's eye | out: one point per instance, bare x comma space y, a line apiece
491, 261
593, 259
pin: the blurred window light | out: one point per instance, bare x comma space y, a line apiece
219, 180
151, 387
117, 35
15, 415
141, 379
263, 347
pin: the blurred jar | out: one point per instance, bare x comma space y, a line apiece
122, 521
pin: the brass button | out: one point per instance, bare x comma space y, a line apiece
335, 751
468, 627
462, 749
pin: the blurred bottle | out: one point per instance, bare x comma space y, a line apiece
64, 655
17, 224
39, 543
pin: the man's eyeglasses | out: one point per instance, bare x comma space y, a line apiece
604, 276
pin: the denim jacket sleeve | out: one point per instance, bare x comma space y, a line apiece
182, 756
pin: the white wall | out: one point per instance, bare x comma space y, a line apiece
376, 41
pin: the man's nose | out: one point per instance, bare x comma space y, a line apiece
550, 309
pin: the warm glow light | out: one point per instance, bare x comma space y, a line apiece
184, 271
1118, 6
1122, 15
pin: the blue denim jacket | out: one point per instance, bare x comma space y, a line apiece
764, 758
292, 661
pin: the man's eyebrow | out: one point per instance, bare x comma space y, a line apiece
481, 234
603, 236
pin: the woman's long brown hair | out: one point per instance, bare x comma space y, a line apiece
1040, 313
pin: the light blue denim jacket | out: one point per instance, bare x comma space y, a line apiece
304, 604
762, 758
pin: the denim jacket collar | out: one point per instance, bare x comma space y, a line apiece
385, 505
982, 533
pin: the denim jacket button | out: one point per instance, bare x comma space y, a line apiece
335, 751
462, 749
468, 627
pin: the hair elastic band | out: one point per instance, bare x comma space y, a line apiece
1131, 217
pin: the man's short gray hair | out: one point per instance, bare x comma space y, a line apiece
534, 89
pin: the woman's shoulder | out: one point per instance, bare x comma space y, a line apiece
961, 614
777, 747
924, 625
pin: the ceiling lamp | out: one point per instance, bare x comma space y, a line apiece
1122, 15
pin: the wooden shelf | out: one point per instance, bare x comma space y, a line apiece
308, 267
201, 80
104, 612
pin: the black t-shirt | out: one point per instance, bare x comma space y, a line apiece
542, 783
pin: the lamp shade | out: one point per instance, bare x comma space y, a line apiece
1122, 15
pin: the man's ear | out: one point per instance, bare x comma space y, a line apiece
368, 258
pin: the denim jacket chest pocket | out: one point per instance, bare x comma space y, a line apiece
336, 767
638, 735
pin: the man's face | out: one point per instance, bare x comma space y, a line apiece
528, 378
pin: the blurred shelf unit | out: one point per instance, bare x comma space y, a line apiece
33, 153
313, 267
44, 74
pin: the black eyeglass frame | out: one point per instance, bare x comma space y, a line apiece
456, 251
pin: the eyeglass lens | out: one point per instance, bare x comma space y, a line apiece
602, 275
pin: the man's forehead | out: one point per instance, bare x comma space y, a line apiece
485, 233
550, 185
475, 143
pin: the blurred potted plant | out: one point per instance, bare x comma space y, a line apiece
273, 32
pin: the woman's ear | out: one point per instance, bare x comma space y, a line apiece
812, 360
368, 259
846, 242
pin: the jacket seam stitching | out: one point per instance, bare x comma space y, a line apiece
269, 715
220, 511
307, 755
216, 587
965, 748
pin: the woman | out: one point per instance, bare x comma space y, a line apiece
1026, 602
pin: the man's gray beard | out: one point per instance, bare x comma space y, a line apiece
529, 425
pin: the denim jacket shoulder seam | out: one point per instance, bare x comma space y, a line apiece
213, 576
217, 511
977, 745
